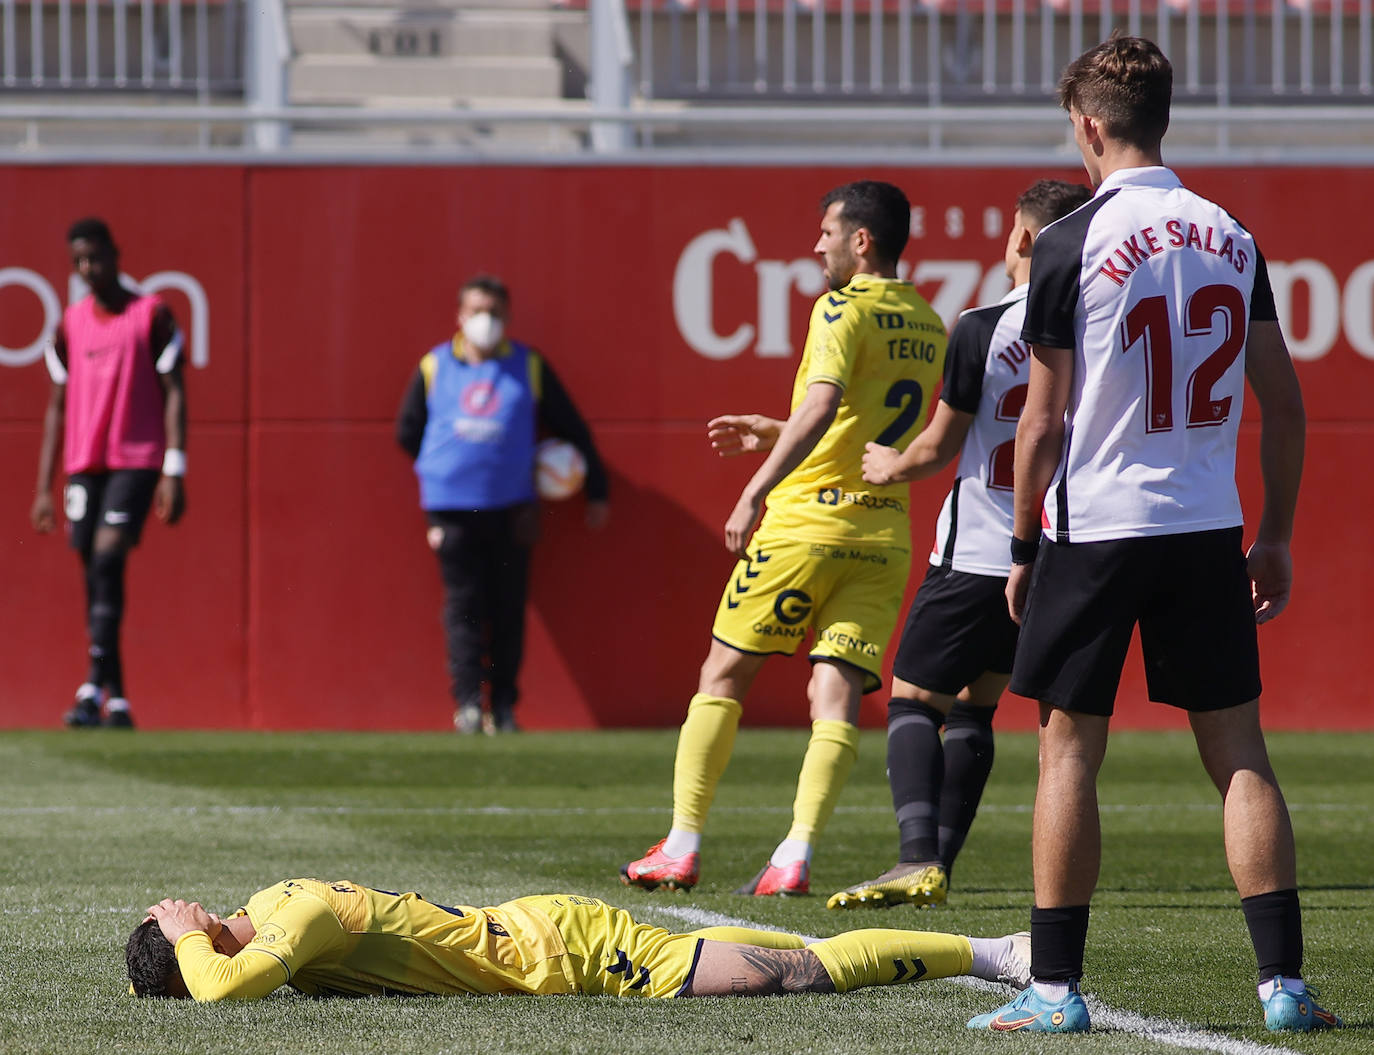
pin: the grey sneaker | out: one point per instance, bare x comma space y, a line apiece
467, 719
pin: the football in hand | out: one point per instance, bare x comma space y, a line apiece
559, 469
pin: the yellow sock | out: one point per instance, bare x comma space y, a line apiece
768, 939
829, 758
703, 750
886, 957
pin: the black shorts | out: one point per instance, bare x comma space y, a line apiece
119, 498
957, 630
1190, 593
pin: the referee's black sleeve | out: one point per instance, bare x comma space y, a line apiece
413, 416
559, 415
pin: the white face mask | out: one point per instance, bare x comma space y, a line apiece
483, 331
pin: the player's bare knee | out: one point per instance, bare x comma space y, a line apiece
905, 690
985, 690
1230, 741
834, 692
728, 672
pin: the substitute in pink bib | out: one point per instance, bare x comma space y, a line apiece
118, 404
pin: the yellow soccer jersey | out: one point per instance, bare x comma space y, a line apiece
884, 346
344, 939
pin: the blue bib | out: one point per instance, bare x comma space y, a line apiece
478, 448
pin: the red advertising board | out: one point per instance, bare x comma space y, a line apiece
299, 592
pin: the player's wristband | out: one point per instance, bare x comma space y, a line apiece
174, 462
1023, 550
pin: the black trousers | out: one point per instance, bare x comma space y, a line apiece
484, 560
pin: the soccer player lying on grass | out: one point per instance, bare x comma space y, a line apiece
343, 939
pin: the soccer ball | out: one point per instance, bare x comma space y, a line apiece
559, 469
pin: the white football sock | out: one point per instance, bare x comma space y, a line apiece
790, 850
1051, 992
679, 843
988, 954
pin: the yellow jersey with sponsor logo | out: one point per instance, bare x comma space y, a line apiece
880, 342
344, 939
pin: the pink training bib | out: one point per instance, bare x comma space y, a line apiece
114, 398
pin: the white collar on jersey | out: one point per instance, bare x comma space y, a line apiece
1016, 293
1146, 176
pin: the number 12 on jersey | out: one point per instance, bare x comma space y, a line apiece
1149, 324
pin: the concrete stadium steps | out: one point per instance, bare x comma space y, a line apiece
350, 52
426, 32
358, 79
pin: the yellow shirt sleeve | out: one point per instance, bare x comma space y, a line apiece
429, 366
832, 342
536, 372
298, 932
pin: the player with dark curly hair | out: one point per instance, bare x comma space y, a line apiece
344, 939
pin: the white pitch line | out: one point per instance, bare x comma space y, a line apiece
1159, 1030
700, 917
1177, 1034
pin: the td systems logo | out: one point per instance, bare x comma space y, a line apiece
1316, 305
198, 325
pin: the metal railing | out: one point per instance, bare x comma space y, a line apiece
979, 50
717, 78
267, 60
177, 46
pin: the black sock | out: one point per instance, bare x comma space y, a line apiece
968, 761
105, 583
1058, 937
1275, 922
915, 771
93, 666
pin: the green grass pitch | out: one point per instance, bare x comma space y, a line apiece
94, 826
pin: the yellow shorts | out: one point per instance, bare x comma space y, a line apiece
850, 595
610, 954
